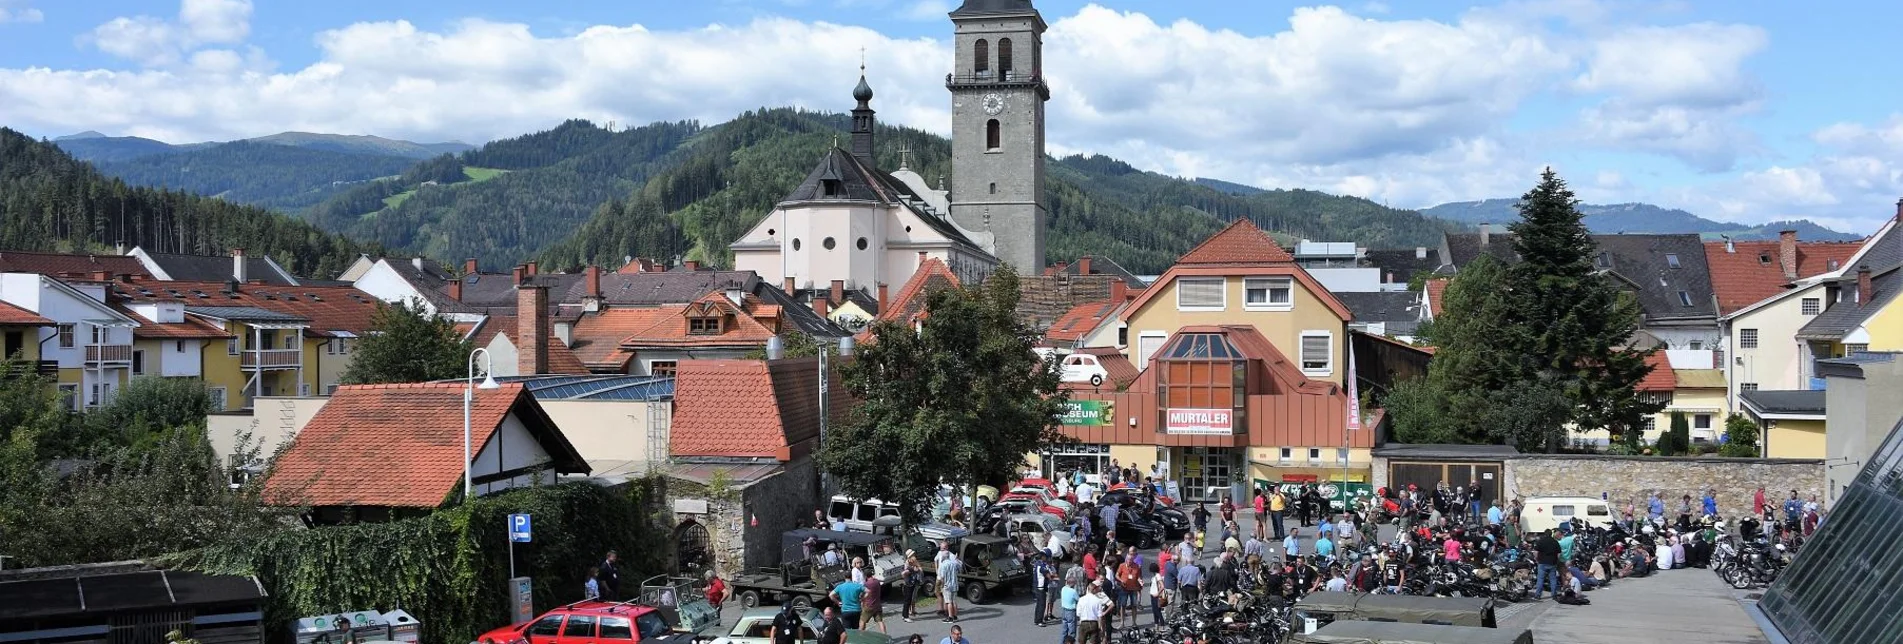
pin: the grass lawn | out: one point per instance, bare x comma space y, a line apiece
482, 174
394, 200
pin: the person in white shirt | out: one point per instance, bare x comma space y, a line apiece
1337, 584
1090, 611
1086, 493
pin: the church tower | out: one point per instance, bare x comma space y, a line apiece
998, 94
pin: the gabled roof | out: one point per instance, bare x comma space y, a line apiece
932, 275
16, 316
1436, 290
1116, 363
1661, 377
1402, 262
329, 310
1241, 243
596, 337
655, 289
989, 7
402, 445
70, 264
748, 408
192, 328
561, 360
1383, 306
1102, 265
1746, 272
1841, 318
214, 268
1043, 299
1464, 248
1081, 320
1642, 262
672, 329
864, 183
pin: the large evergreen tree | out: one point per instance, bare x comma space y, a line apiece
407, 343
1576, 323
959, 401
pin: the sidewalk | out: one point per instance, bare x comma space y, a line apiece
1687, 605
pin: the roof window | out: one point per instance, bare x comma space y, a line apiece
1671, 260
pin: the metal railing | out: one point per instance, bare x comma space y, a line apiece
985, 78
108, 353
273, 358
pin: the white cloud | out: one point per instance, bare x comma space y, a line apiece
1676, 91
18, 11
154, 41
1849, 185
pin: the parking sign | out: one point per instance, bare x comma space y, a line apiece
519, 528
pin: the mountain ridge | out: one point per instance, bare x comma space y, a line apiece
1634, 217
91, 145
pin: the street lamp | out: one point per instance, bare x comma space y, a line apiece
469, 397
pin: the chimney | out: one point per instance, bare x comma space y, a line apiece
531, 268
1083, 265
839, 291
819, 306
1730, 246
469, 266
692, 265
1390, 279
1787, 252
416, 262
531, 333
591, 280
1486, 233
456, 289
1864, 290
736, 296
882, 297
1119, 292
786, 284
520, 272
1420, 252
102, 276
1899, 210
237, 264
921, 257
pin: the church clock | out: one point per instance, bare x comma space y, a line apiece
994, 104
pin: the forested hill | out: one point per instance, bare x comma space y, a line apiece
260, 174
1639, 218
727, 177
50, 201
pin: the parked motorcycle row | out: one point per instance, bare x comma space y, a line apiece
1243, 619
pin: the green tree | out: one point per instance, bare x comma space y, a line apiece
1477, 338
407, 343
1676, 439
30, 405
146, 410
1575, 323
959, 401
1741, 437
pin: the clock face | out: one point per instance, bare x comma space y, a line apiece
994, 104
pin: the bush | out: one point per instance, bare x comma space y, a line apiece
450, 568
1676, 440
1741, 437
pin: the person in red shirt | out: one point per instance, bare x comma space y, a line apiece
717, 591
1090, 565
1261, 511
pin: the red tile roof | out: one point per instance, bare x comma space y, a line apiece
71, 265
1080, 320
909, 304
192, 328
1753, 270
1436, 290
1122, 372
1661, 378
13, 315
561, 360
400, 445
749, 408
1241, 243
329, 308
670, 327
596, 337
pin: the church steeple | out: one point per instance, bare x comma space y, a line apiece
862, 120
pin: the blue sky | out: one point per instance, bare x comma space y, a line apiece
1744, 111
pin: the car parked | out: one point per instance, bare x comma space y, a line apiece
1046, 533
1044, 494
756, 627
590, 622
1083, 367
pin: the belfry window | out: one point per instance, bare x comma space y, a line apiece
981, 57
1004, 58
992, 138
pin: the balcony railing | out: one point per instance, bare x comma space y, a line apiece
1003, 79
96, 353
273, 358
23, 368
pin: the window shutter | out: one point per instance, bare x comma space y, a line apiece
1199, 293
1315, 352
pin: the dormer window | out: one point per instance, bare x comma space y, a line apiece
831, 188
1605, 260
1671, 260
703, 325
1764, 258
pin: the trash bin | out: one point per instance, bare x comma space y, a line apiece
403, 626
352, 626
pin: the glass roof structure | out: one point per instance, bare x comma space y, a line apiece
1842, 587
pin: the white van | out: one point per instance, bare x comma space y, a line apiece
1542, 513
858, 515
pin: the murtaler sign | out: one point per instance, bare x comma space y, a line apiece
1199, 421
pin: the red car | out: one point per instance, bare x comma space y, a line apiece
1025, 503
589, 622
1048, 486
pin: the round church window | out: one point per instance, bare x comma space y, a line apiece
862, 243
796, 243
828, 243
771, 232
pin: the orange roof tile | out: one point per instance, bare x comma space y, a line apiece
746, 408
932, 274
1436, 290
400, 445
1122, 371
1661, 377
596, 337
1240, 243
1080, 320
192, 328
329, 308
672, 328
561, 359
1751, 271
71, 265
13, 315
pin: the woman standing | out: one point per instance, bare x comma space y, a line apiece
913, 579
1159, 595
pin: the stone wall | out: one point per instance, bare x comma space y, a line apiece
1634, 479
745, 522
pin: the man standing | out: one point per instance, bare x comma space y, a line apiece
847, 596
1189, 580
610, 578
1474, 500
1067, 606
832, 630
1277, 505
957, 636
1547, 553
873, 604
1757, 502
1292, 545
1090, 614
786, 625
1655, 509
1043, 576
948, 569
1493, 513
1711, 503
1792, 508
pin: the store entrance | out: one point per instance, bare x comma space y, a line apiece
1090, 459
1207, 472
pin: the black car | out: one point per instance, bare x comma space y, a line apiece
1175, 523
1133, 530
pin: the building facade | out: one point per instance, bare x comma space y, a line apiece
998, 94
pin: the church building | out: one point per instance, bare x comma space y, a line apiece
852, 222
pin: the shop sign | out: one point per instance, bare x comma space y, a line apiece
1200, 421
1089, 413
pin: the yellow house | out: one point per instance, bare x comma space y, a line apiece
1793, 421
16, 326
1860, 309
258, 339
1241, 277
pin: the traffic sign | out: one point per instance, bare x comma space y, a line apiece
519, 528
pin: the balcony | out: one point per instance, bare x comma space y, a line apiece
108, 354
999, 79
273, 358
24, 368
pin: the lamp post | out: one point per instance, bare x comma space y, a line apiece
469, 397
